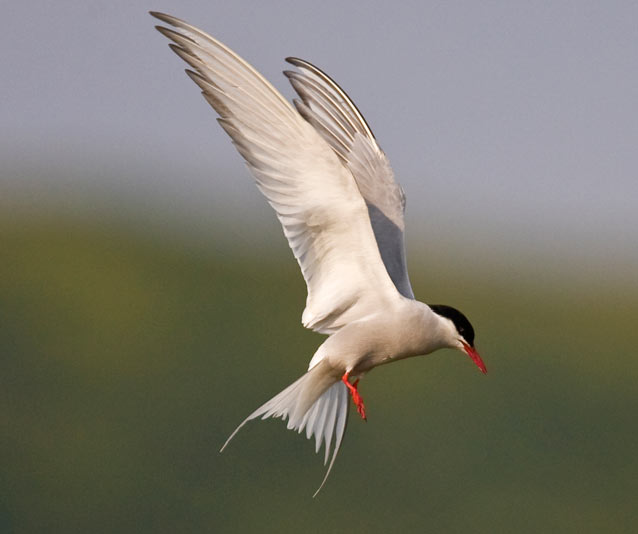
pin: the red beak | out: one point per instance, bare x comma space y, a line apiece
471, 352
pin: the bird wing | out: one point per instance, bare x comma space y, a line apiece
333, 114
317, 201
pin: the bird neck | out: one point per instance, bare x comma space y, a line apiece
427, 331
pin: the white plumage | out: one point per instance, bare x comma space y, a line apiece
320, 168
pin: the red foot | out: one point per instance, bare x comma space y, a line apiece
356, 398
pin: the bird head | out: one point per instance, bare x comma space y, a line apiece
461, 333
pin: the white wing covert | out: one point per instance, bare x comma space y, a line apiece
319, 205
333, 114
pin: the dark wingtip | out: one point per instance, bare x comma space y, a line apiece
161, 16
298, 62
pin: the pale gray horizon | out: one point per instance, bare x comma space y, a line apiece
508, 124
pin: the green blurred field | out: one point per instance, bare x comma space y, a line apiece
128, 359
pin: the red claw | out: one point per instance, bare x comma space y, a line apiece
356, 398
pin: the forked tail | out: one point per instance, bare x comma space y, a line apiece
316, 402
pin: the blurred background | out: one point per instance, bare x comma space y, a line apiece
148, 301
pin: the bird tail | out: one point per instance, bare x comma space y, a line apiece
316, 402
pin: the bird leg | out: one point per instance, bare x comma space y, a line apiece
356, 398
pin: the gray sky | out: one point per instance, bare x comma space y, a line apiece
507, 123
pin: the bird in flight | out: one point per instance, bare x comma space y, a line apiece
321, 169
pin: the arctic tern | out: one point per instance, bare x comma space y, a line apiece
320, 167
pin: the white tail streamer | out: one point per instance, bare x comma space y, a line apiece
315, 402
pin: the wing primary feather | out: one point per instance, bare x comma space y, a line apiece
324, 77
312, 101
308, 89
331, 112
178, 23
338, 144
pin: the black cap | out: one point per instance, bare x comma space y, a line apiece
461, 323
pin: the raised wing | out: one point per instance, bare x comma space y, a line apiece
329, 109
323, 214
